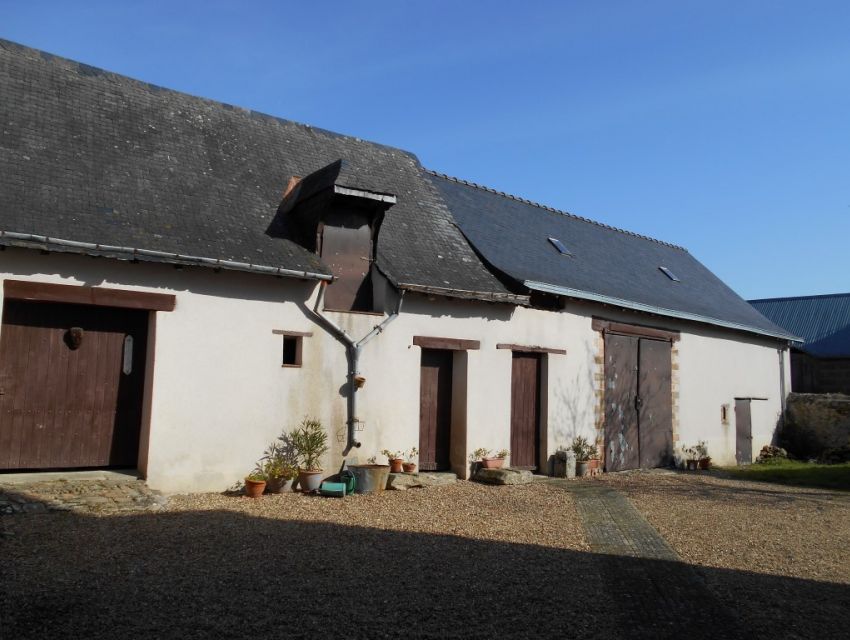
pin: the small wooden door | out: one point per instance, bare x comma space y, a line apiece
621, 415
65, 402
435, 409
655, 404
525, 410
743, 431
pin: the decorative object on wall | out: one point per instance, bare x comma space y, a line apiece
74, 338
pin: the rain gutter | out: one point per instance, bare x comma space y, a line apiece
73, 246
638, 306
352, 349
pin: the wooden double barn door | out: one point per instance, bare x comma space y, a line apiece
435, 409
525, 410
71, 385
638, 403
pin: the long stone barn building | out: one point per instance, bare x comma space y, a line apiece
184, 279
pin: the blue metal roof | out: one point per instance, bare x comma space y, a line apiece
823, 321
605, 264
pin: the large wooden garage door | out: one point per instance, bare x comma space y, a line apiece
435, 409
525, 410
71, 385
638, 403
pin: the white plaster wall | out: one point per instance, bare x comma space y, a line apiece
218, 395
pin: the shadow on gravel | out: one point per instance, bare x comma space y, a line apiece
228, 575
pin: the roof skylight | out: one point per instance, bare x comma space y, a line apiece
669, 274
560, 247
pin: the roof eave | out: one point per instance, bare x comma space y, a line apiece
486, 296
638, 306
45, 243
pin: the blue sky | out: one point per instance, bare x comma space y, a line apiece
720, 126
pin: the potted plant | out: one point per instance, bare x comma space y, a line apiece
691, 458
255, 484
280, 476
496, 461
310, 443
396, 459
410, 466
703, 459
585, 453
279, 465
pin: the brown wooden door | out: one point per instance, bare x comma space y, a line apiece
621, 416
743, 431
655, 404
435, 409
638, 403
525, 410
66, 406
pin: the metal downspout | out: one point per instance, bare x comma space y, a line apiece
352, 351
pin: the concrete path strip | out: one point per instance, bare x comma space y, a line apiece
656, 594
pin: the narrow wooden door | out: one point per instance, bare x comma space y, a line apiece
743, 431
71, 384
655, 404
525, 410
435, 409
621, 415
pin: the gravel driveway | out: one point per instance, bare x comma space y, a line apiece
446, 562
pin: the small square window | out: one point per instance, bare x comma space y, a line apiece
292, 351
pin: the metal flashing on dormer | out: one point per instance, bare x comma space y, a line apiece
361, 193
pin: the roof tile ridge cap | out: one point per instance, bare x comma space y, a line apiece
113, 76
554, 210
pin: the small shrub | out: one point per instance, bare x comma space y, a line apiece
815, 423
837, 455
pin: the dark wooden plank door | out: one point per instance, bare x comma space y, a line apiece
743, 431
621, 415
435, 409
66, 407
346, 247
655, 404
525, 410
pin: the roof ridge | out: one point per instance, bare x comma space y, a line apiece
553, 209
812, 297
90, 70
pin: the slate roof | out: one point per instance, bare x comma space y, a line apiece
97, 158
822, 321
607, 264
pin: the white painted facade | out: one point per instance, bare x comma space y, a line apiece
217, 394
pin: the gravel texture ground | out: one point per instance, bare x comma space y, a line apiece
779, 554
445, 562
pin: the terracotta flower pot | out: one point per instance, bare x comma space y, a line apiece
492, 463
396, 465
409, 467
254, 488
704, 463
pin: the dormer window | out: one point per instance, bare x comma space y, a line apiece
340, 221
